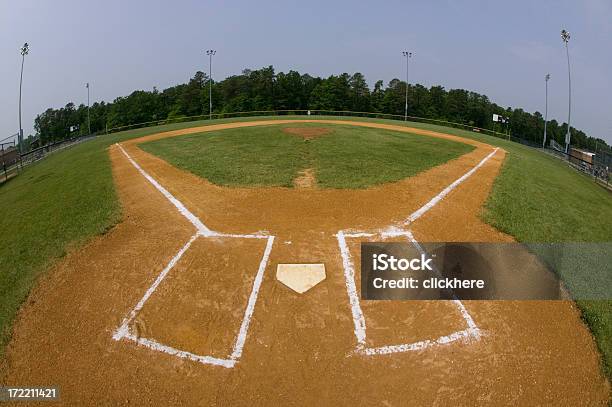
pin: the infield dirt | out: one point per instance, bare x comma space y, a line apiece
299, 347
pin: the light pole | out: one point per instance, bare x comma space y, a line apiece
88, 121
210, 54
565, 36
546, 78
24, 51
408, 55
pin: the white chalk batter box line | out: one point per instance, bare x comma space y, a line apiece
124, 332
470, 332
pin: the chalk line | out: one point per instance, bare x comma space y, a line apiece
152, 344
123, 329
351, 288
248, 313
195, 221
434, 201
123, 332
359, 323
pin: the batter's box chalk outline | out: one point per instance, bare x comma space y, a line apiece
471, 332
124, 331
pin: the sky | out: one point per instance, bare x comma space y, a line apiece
499, 48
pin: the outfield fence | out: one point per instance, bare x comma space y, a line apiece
12, 162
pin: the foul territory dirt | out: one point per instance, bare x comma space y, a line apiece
299, 348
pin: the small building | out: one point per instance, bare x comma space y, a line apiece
582, 158
9, 156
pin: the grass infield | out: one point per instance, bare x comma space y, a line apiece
346, 157
59, 203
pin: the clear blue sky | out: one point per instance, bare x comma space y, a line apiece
500, 48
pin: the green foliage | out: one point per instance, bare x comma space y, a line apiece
349, 157
265, 90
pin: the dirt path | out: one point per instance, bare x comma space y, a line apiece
299, 348
305, 179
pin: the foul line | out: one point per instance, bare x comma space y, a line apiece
434, 201
123, 332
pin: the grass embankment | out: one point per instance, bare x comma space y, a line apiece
346, 157
54, 204
538, 199
68, 198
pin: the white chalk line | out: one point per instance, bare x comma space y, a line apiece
152, 344
248, 313
178, 204
359, 323
351, 288
464, 313
434, 201
123, 332
472, 330
123, 329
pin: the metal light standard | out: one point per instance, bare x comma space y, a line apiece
210, 54
88, 121
565, 36
24, 51
408, 55
546, 78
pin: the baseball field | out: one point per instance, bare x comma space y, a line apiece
148, 257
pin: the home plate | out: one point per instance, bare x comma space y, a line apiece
300, 277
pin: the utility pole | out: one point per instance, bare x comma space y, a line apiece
408, 55
565, 36
546, 78
210, 54
24, 51
88, 120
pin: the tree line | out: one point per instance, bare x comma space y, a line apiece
264, 89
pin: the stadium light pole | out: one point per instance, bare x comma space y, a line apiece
24, 51
408, 55
565, 36
210, 54
88, 120
546, 78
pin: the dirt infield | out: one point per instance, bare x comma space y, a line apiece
307, 133
300, 349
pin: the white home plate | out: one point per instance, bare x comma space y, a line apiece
300, 277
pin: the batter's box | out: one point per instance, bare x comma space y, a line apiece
421, 324
202, 309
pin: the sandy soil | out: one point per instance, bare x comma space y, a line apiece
299, 347
307, 133
305, 179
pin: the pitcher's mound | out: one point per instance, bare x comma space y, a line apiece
307, 133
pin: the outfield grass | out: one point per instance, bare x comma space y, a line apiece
68, 198
347, 157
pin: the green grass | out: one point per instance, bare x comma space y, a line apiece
347, 157
57, 203
68, 198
